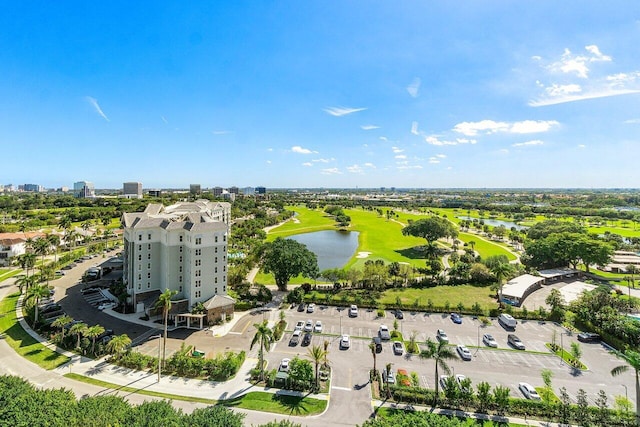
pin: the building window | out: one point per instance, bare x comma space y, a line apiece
224, 238
139, 266
224, 268
139, 276
216, 290
216, 259
224, 289
139, 237
180, 269
149, 266
149, 236
198, 263
148, 256
198, 273
180, 249
216, 239
198, 283
148, 285
215, 270
224, 258
139, 286
215, 280
198, 293
216, 250
149, 246
198, 252
224, 279
180, 288
198, 240
180, 259
180, 240
148, 275
139, 247
139, 257
180, 279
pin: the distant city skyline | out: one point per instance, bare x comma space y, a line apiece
530, 94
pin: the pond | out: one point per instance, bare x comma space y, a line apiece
496, 222
333, 248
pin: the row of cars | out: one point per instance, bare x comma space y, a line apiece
302, 332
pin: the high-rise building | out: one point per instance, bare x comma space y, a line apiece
261, 191
84, 189
234, 190
195, 189
217, 191
132, 190
182, 248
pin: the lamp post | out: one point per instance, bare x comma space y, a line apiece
478, 345
562, 347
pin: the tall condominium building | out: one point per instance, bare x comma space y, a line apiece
84, 189
195, 189
132, 190
183, 248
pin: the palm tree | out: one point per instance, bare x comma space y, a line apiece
440, 352
164, 302
94, 332
264, 335
41, 247
501, 270
325, 346
632, 270
316, 354
25, 282
79, 329
54, 241
61, 322
118, 344
35, 293
372, 347
633, 360
71, 238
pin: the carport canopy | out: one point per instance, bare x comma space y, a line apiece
188, 317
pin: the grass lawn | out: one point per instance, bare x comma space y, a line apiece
470, 422
484, 247
6, 273
306, 221
23, 343
439, 295
278, 404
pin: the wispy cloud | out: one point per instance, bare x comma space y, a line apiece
435, 140
384, 138
605, 93
414, 87
164, 120
434, 160
298, 149
369, 127
414, 128
355, 169
397, 149
441, 156
370, 165
342, 111
632, 121
582, 146
322, 160
407, 167
528, 143
570, 63
221, 132
331, 171
308, 164
490, 126
400, 156
94, 103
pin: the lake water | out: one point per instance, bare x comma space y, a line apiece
333, 248
497, 222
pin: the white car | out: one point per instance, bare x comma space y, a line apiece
464, 352
311, 308
384, 333
529, 391
398, 348
345, 341
489, 340
318, 327
299, 325
284, 365
308, 327
441, 335
388, 377
443, 381
353, 311
106, 305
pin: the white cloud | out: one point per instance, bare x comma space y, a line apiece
503, 151
562, 90
221, 132
384, 138
94, 103
370, 165
331, 171
632, 121
355, 169
369, 127
434, 140
528, 143
414, 128
322, 160
300, 150
581, 146
268, 162
414, 87
490, 126
441, 156
578, 64
406, 167
397, 149
342, 111
164, 120
601, 93
308, 164
434, 160
400, 156
269, 149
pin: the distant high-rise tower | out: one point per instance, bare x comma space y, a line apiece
195, 189
132, 190
84, 189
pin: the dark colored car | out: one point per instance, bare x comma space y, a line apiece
378, 343
301, 307
399, 314
50, 308
455, 317
588, 337
306, 339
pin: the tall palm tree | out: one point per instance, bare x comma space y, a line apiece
501, 270
316, 354
440, 352
61, 322
36, 293
94, 332
71, 237
325, 346
264, 335
79, 329
25, 282
372, 347
164, 302
633, 360
118, 344
632, 270
54, 242
41, 247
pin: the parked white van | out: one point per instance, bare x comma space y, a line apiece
507, 321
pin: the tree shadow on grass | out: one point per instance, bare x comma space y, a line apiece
293, 404
416, 252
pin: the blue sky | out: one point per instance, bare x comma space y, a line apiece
321, 93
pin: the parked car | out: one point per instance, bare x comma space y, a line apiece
345, 341
306, 339
377, 342
460, 378
455, 317
311, 308
588, 337
50, 308
441, 335
398, 348
299, 325
59, 273
308, 327
529, 391
353, 311
489, 341
443, 381
384, 333
106, 305
68, 267
284, 365
507, 321
295, 338
464, 352
89, 291
388, 377
399, 314
318, 327
515, 342
301, 306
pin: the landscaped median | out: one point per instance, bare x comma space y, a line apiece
23, 343
255, 400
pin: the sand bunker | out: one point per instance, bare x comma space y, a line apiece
363, 254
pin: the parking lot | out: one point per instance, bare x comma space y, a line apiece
503, 365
